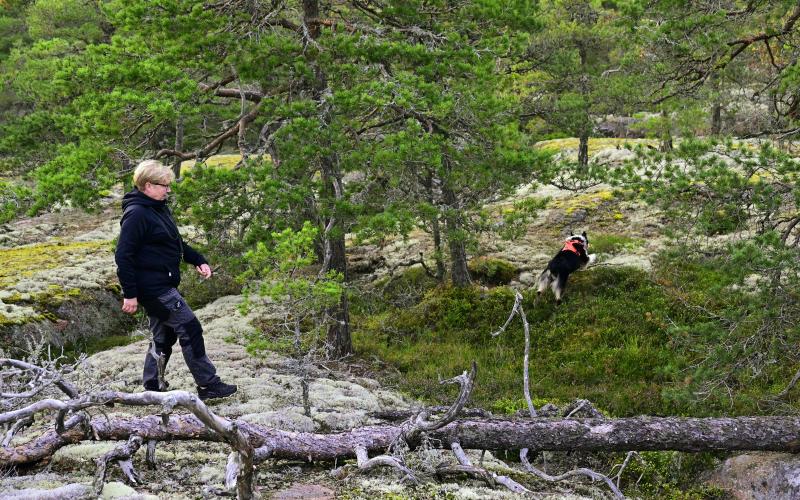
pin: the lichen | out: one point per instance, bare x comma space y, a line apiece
586, 201
29, 260
595, 144
36, 279
81, 454
219, 161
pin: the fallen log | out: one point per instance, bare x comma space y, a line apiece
623, 434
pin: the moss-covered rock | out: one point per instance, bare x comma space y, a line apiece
492, 271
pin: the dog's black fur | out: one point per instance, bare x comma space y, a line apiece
565, 262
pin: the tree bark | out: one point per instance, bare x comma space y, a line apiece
624, 434
454, 225
179, 130
583, 150
666, 132
436, 229
459, 272
716, 107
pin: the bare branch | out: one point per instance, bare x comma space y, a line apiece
490, 478
121, 454
594, 476
68, 389
517, 309
420, 424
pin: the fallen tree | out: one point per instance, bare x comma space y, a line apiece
253, 443
624, 434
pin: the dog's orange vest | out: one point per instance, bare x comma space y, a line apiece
570, 246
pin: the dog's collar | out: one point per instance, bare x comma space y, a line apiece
571, 246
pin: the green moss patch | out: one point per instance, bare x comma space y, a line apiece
595, 145
586, 201
613, 243
669, 342
491, 271
26, 261
220, 161
606, 343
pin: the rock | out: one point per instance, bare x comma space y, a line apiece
527, 278
613, 157
619, 126
757, 476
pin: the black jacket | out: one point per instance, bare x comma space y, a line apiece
150, 248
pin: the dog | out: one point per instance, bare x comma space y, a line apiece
573, 256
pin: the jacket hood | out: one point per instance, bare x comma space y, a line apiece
136, 197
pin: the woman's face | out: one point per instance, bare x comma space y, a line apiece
157, 190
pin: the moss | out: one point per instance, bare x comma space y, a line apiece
221, 161
595, 145
608, 342
587, 201
613, 243
491, 271
27, 261
116, 489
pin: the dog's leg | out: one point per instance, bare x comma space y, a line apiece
592, 258
544, 281
558, 286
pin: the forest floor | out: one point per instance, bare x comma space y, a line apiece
609, 342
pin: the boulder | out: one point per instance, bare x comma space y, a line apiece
757, 476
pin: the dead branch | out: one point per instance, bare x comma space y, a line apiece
416, 426
121, 454
396, 415
252, 443
365, 464
517, 309
53, 376
586, 434
594, 476
490, 478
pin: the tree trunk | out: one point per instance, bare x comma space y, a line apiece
339, 341
586, 126
624, 434
583, 150
716, 107
666, 132
459, 272
436, 229
438, 253
176, 167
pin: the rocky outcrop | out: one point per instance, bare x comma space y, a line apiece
759, 476
57, 282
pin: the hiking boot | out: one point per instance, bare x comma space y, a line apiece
154, 387
218, 390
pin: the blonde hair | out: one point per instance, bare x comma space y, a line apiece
152, 171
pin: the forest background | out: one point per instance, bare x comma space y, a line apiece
302, 130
